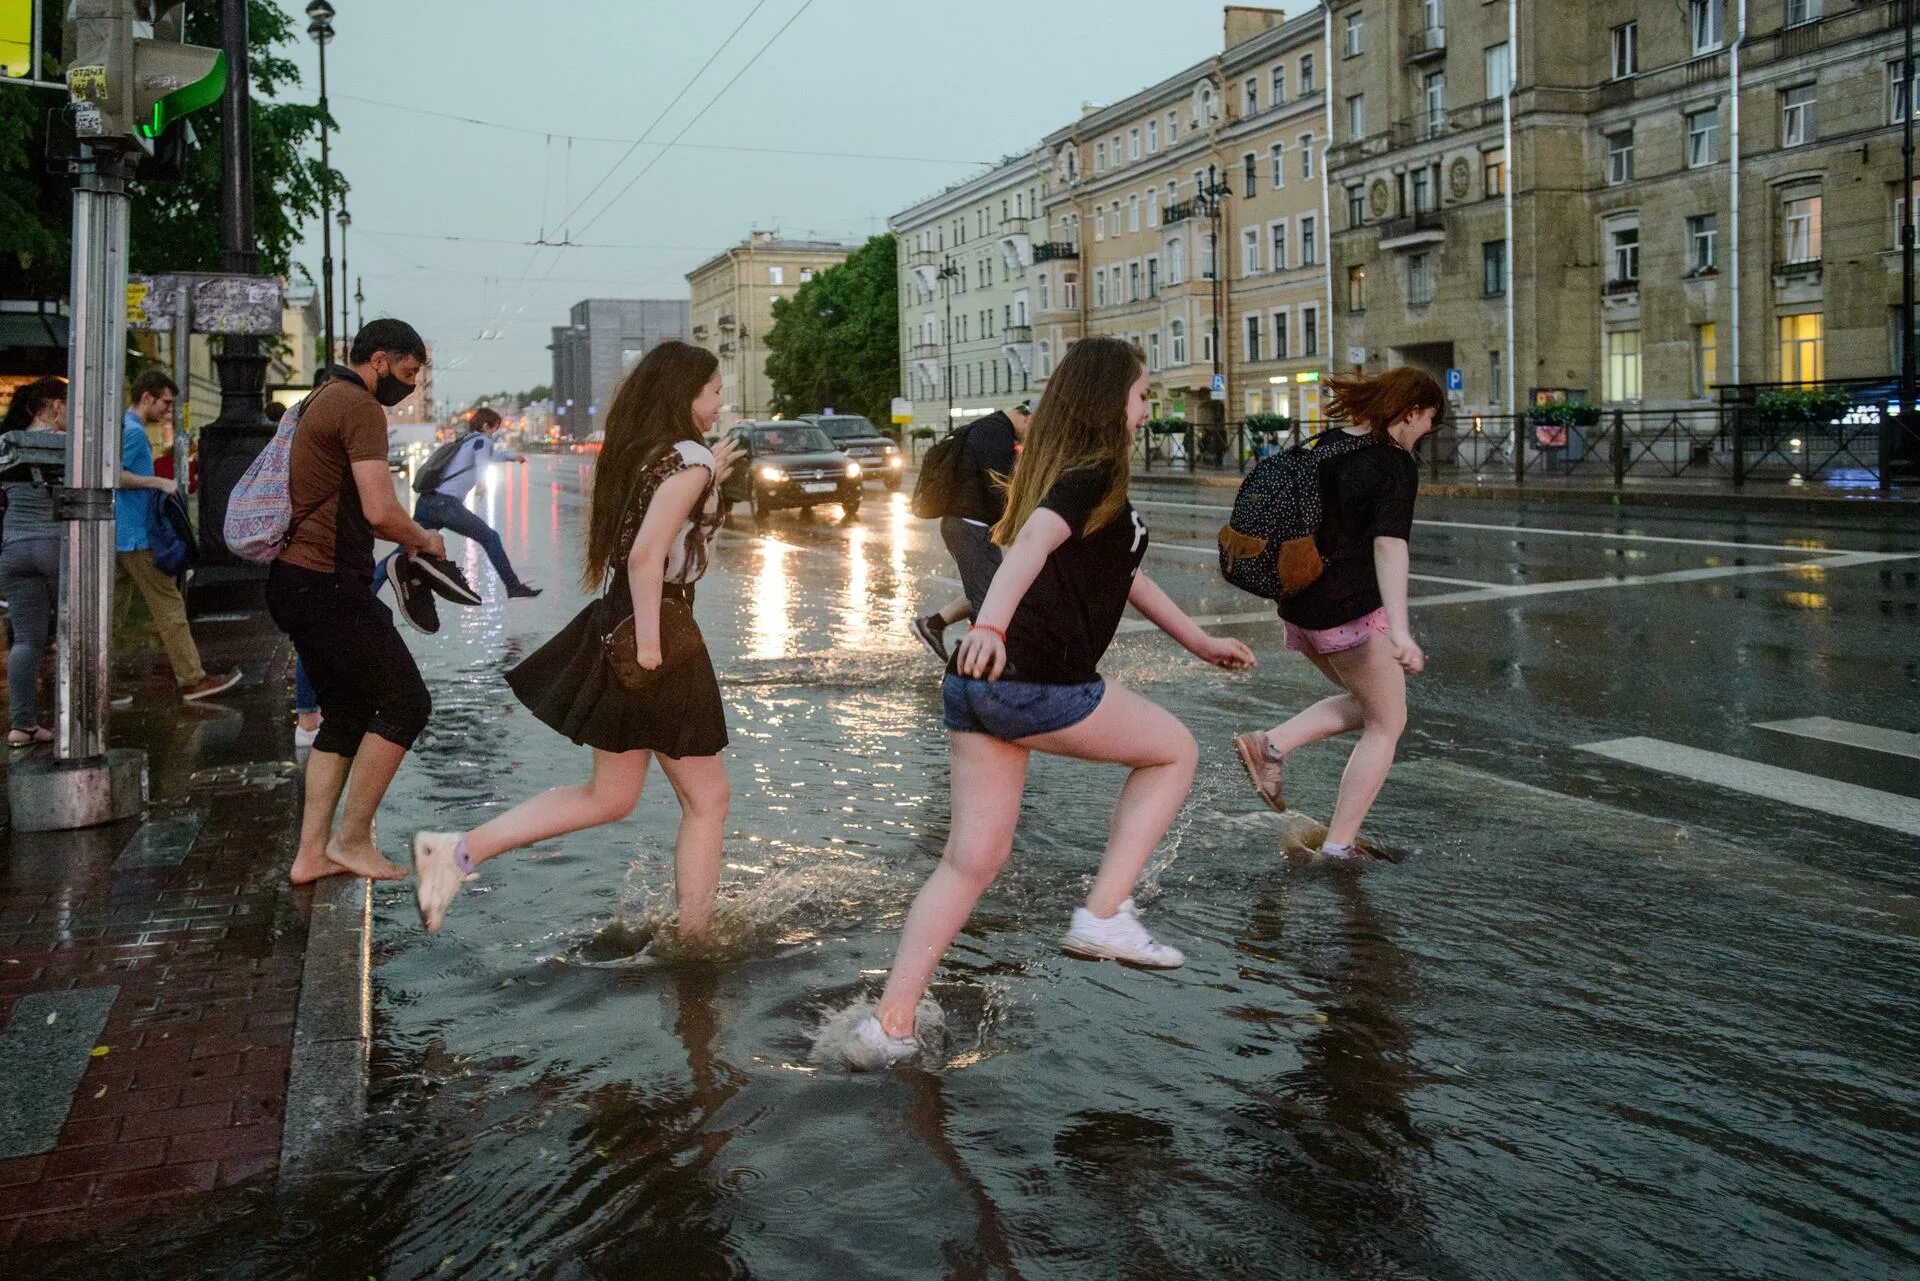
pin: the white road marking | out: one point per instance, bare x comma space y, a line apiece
1213, 553
1789, 787
1828, 730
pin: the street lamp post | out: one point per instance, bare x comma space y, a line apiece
946, 274
1907, 355
321, 29
1210, 203
346, 320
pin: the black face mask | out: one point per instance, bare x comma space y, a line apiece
390, 391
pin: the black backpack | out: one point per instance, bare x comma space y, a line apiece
434, 470
942, 473
1267, 547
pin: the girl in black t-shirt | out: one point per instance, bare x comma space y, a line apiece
1351, 622
1025, 679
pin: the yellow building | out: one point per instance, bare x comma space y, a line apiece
733, 296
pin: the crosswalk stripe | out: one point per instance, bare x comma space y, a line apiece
1789, 787
1828, 730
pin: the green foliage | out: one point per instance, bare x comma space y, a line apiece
1803, 405
837, 340
1269, 422
1565, 413
1167, 426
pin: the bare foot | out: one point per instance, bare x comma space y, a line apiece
364, 860
308, 868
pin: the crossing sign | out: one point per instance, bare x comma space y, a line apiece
1456, 380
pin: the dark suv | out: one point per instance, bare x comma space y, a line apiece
791, 464
853, 435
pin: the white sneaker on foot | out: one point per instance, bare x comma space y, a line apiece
303, 738
1119, 937
436, 877
874, 1050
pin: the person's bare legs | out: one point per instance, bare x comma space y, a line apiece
326, 776
1379, 686
351, 845
987, 779
308, 721
1337, 714
1127, 729
700, 783
954, 611
608, 796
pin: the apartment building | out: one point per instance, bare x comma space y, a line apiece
732, 309
602, 339
967, 293
1687, 202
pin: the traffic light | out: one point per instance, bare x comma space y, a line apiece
129, 75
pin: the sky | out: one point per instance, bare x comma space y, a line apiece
446, 214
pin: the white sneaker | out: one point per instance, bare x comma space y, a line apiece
873, 1049
303, 738
1119, 937
437, 878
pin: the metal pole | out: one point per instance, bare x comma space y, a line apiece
359, 305
346, 321
946, 289
326, 209
1506, 194
182, 376
1907, 356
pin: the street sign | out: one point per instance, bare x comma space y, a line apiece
1356, 355
1219, 386
1456, 380
901, 410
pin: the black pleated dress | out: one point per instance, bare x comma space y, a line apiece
567, 683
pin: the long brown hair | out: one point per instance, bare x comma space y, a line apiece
1081, 421
1379, 402
652, 410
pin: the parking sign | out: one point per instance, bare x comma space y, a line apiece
1219, 386
1456, 380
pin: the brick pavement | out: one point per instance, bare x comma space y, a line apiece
186, 1088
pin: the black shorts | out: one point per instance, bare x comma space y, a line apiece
360, 667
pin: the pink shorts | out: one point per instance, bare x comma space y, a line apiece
1332, 640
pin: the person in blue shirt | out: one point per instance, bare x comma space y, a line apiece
445, 505
154, 395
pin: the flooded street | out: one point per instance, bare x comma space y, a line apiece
1641, 1002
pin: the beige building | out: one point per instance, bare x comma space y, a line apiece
733, 296
1690, 203
1220, 164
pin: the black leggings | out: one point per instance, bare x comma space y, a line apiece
359, 666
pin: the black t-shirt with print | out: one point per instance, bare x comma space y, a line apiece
1366, 495
1068, 617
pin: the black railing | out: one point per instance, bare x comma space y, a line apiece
1180, 212
1615, 287
1055, 250
1409, 224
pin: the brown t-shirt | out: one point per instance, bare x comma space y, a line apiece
341, 425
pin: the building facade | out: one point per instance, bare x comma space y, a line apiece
968, 294
605, 337
732, 308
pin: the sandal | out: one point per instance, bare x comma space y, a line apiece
27, 738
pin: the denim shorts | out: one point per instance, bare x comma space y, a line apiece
1013, 710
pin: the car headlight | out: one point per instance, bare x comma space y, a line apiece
894, 459
853, 471
772, 475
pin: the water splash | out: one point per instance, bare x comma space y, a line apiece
835, 1045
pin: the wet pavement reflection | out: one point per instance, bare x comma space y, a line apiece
1604, 1021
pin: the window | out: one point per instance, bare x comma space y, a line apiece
1306, 155
1250, 167
1356, 35
1278, 153
1173, 127
1100, 288
1496, 385
1796, 116
1499, 69
1250, 102
1070, 292
1153, 275
1703, 19
1153, 352
1802, 351
1133, 282
1046, 293
1626, 50
1703, 231
1357, 116
1153, 136
1703, 137
776, 275
1306, 73
1356, 206
1250, 252
1309, 331
1493, 172
1279, 93
1435, 13
1309, 242
1419, 280
1253, 337
1099, 223
1176, 261
1099, 157
1133, 144
1177, 341
1153, 209
1900, 90
1433, 89
1902, 211
1280, 335
1620, 157
1208, 269
1623, 253
1206, 346
1799, 11
1356, 289
1133, 213
1802, 226
1622, 378
1706, 361
1278, 236
1207, 113
1423, 190
1493, 267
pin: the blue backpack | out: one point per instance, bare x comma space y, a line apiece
170, 535
1267, 546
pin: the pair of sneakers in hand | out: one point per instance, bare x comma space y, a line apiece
419, 578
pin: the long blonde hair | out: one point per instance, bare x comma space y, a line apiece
1081, 421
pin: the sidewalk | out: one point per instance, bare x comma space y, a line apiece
154, 975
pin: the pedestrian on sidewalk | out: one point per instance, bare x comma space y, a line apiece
443, 505
30, 564
1351, 622
154, 395
320, 593
655, 507
1025, 679
987, 454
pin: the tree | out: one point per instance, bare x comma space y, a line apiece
837, 340
174, 226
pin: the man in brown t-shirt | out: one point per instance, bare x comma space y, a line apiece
319, 591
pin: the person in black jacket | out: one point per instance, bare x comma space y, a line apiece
991, 445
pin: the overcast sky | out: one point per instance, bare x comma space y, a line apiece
893, 78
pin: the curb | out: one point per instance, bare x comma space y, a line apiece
332, 1030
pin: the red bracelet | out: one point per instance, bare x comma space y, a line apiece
982, 627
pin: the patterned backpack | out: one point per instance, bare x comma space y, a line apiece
259, 522
1267, 546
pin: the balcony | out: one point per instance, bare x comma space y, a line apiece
1410, 231
699, 332
1181, 212
1621, 288
1056, 251
725, 323
926, 350
1017, 247
1017, 333
923, 257
1428, 45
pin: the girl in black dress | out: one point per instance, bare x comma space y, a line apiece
655, 506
